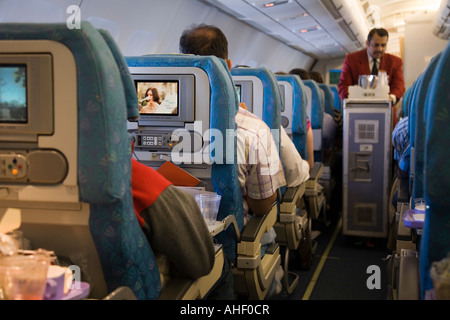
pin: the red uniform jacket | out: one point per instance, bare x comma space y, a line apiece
356, 64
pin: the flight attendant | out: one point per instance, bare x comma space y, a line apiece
370, 61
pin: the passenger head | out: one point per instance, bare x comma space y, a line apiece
304, 75
377, 42
204, 40
316, 76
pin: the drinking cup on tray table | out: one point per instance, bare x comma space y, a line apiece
23, 277
209, 206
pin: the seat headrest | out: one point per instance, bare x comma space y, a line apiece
272, 100
102, 134
127, 81
317, 104
224, 105
329, 98
223, 95
299, 116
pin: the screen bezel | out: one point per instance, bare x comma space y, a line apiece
39, 97
186, 100
246, 89
282, 88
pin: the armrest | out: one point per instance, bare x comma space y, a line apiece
250, 244
176, 289
291, 197
409, 279
290, 194
257, 226
316, 172
179, 288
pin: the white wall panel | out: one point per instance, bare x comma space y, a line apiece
422, 45
154, 26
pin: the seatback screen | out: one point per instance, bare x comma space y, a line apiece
158, 98
13, 94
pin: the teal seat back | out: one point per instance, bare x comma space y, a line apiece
315, 113
103, 153
328, 98
317, 104
435, 242
406, 102
420, 126
223, 107
298, 118
337, 102
272, 101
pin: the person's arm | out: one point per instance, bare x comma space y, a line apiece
296, 170
345, 79
176, 228
310, 147
261, 207
264, 176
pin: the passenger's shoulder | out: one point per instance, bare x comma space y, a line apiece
245, 118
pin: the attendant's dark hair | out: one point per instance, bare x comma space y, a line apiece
380, 31
204, 40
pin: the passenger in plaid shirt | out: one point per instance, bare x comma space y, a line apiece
400, 142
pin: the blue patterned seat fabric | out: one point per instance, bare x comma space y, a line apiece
337, 100
406, 102
272, 101
329, 98
435, 243
317, 115
317, 104
104, 154
299, 117
419, 99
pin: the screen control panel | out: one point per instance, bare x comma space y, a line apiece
33, 167
13, 166
156, 140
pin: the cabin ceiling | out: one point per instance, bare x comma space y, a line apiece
326, 29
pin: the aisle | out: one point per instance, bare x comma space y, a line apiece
353, 270
342, 268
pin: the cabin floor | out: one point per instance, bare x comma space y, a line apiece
343, 267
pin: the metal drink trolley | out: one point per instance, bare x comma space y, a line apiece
367, 162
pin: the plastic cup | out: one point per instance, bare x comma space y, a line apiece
209, 206
23, 277
17, 236
55, 283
